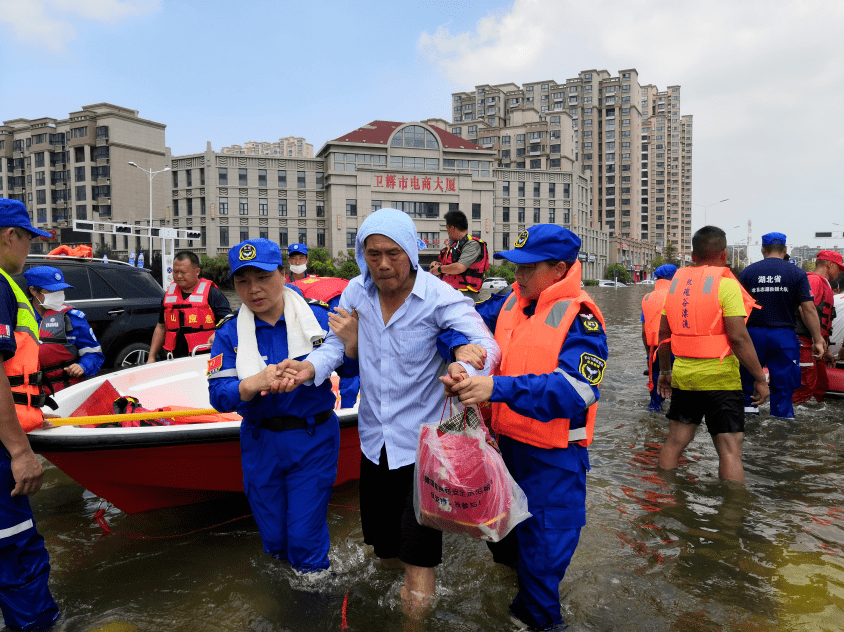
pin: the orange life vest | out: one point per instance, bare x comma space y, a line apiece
532, 345
652, 310
695, 315
22, 368
56, 352
473, 277
191, 317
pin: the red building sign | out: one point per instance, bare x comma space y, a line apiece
403, 182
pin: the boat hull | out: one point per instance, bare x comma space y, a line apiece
146, 468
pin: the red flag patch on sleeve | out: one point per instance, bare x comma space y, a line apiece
215, 364
5, 331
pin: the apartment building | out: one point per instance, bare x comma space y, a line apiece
598, 120
78, 168
291, 146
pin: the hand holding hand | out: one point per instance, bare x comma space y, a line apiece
292, 373
456, 373
474, 390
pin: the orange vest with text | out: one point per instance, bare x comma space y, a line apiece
695, 315
652, 310
532, 345
191, 317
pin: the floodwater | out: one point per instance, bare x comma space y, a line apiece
677, 552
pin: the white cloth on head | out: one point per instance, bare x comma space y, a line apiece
391, 223
303, 329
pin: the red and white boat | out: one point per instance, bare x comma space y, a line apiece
152, 467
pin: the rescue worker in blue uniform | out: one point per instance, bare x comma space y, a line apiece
651, 314
25, 598
289, 441
297, 261
782, 289
77, 353
553, 355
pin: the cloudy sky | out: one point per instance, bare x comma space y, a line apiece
758, 76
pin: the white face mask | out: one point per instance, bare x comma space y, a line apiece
298, 269
53, 300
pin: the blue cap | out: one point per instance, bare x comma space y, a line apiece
47, 278
773, 239
293, 249
542, 242
666, 271
256, 253
14, 213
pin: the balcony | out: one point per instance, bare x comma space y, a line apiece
102, 162
102, 141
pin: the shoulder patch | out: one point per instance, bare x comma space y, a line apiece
316, 301
590, 323
592, 368
76, 313
224, 320
215, 364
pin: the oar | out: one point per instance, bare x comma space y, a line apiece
107, 419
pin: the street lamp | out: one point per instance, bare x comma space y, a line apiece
151, 175
706, 206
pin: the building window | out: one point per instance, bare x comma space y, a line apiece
244, 207
551, 216
263, 208
39, 159
175, 179
320, 209
282, 237
476, 211
190, 206
320, 238
242, 177
505, 214
352, 208
223, 178
282, 208
300, 179
536, 216
82, 211
224, 206
536, 189
282, 179
351, 235
521, 189
188, 178
175, 203
41, 195
244, 233
505, 189
521, 217
505, 241
224, 236
320, 180
302, 208
263, 232
376, 205
262, 177
79, 154
536, 164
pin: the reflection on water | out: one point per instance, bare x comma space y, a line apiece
680, 552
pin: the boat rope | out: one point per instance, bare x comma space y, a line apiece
94, 420
99, 516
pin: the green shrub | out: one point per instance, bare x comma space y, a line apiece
623, 275
349, 270
216, 269
590, 282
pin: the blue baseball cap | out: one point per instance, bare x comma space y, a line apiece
293, 249
542, 242
256, 253
14, 213
666, 271
47, 278
773, 239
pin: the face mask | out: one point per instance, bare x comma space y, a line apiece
53, 300
298, 269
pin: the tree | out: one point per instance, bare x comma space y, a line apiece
349, 270
656, 262
505, 271
623, 275
808, 265
669, 253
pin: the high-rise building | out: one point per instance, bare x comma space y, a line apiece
606, 128
78, 168
291, 146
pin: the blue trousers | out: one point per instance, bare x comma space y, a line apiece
655, 404
554, 482
779, 350
288, 477
25, 599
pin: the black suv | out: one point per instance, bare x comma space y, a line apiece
121, 303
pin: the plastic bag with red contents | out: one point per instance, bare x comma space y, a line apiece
461, 483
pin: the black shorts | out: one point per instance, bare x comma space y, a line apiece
723, 410
387, 518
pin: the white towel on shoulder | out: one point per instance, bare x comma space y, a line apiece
303, 329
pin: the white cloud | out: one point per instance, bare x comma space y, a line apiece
49, 24
760, 78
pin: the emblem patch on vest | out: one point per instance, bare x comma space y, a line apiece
521, 240
590, 323
592, 368
215, 364
247, 253
5, 331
